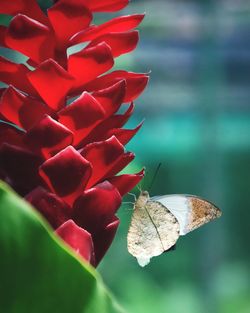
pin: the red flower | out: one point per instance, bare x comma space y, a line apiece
61, 139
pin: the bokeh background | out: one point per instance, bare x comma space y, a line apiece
197, 124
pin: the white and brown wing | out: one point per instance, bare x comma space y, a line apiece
153, 230
190, 211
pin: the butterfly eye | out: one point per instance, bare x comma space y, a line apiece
144, 193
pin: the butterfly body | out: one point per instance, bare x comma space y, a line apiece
158, 222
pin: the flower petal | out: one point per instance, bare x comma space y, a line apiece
10, 134
124, 160
103, 240
52, 83
111, 98
96, 207
120, 43
107, 158
54, 209
136, 83
94, 211
48, 137
16, 75
101, 130
20, 109
89, 63
2, 90
78, 239
81, 116
2, 35
30, 37
21, 167
123, 135
115, 25
27, 7
68, 18
10, 104
66, 174
105, 5
126, 182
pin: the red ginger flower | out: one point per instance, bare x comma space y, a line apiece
64, 158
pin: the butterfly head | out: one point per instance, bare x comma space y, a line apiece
142, 199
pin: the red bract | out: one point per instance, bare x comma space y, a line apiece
61, 138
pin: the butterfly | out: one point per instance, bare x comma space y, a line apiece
158, 222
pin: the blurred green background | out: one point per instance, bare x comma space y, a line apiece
197, 125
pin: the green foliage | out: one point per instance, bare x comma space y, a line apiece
38, 272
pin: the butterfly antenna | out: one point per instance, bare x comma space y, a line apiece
154, 177
139, 187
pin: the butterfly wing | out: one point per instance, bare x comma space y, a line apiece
190, 211
153, 230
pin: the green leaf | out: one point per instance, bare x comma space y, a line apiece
38, 273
